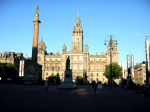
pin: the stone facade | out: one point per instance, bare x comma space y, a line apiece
82, 63
11, 57
147, 49
140, 73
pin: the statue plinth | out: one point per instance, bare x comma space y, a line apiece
68, 83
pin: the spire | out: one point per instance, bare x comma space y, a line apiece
37, 15
78, 20
78, 14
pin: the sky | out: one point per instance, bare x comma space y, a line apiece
127, 20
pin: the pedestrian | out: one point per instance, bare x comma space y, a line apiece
46, 86
94, 87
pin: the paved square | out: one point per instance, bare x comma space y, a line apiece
33, 98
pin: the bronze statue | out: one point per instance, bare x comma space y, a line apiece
37, 8
68, 63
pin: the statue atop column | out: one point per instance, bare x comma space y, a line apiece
68, 63
37, 8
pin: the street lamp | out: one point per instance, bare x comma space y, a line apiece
111, 42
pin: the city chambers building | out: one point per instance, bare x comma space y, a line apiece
82, 63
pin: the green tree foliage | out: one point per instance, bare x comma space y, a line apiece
2, 71
80, 79
54, 79
116, 71
11, 70
8, 71
2, 67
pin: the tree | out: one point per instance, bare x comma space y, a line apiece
2, 71
80, 80
116, 71
11, 71
54, 79
8, 71
2, 67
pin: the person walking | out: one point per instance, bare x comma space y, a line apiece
94, 87
46, 86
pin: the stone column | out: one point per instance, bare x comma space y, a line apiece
35, 36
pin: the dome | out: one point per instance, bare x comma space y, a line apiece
41, 43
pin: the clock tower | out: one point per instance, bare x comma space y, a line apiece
112, 50
77, 36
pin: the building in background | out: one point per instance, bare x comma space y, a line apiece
140, 73
147, 49
11, 57
130, 65
124, 70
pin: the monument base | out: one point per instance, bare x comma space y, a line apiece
65, 85
32, 73
68, 83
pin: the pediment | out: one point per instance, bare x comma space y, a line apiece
74, 51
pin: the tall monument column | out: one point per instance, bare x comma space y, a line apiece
33, 71
35, 36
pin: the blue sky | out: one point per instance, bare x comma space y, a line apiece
127, 20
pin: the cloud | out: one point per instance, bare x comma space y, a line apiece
138, 34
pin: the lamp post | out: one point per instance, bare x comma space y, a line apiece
111, 41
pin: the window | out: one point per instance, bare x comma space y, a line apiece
74, 58
81, 67
74, 67
81, 58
